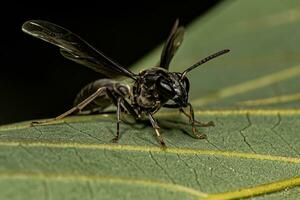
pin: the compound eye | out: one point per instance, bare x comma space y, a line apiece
186, 84
165, 88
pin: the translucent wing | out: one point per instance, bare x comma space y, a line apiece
172, 44
75, 48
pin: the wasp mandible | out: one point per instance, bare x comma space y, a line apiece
152, 88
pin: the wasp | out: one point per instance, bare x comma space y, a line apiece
151, 89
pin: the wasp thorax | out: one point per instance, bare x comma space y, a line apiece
123, 90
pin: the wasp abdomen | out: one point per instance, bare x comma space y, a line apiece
101, 102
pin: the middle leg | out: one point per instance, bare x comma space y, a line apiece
120, 102
116, 139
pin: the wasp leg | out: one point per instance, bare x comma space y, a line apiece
120, 102
115, 139
117, 100
130, 109
192, 117
192, 120
156, 128
79, 107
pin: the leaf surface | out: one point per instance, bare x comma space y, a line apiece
252, 94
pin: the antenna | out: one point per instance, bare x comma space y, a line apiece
208, 58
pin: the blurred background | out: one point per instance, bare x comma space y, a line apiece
37, 82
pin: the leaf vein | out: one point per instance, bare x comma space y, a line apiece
105, 179
273, 129
244, 136
114, 147
161, 167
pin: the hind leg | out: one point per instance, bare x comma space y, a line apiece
79, 107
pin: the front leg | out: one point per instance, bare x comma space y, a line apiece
193, 122
190, 115
192, 119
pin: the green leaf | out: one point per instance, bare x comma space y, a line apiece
252, 94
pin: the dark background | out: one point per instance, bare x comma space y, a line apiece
37, 82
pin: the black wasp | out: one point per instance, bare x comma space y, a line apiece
152, 88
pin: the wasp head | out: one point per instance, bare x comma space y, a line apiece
177, 86
174, 87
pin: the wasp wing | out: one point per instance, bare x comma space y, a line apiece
172, 44
74, 48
